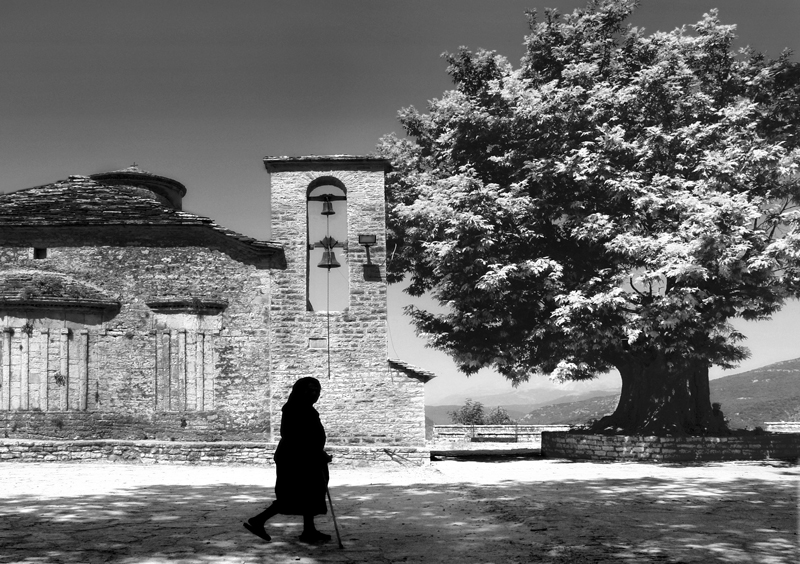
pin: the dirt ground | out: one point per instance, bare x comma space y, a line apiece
495, 511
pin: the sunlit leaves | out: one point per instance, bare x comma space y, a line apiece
617, 194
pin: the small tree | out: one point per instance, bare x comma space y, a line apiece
610, 204
498, 416
471, 413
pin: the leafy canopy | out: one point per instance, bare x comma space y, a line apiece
619, 195
471, 413
474, 413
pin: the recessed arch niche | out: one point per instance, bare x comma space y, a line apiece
327, 267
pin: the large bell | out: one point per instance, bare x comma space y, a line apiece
328, 260
327, 208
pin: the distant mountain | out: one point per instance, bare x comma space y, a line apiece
524, 400
770, 393
439, 413
572, 413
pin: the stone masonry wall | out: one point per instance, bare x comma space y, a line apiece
363, 401
141, 372
670, 449
500, 433
224, 452
782, 426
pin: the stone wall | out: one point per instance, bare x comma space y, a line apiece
223, 452
488, 433
364, 400
782, 426
187, 425
670, 449
156, 367
178, 340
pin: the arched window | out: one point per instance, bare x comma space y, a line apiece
327, 268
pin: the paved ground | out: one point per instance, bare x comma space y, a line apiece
461, 512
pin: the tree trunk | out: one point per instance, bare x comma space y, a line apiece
661, 399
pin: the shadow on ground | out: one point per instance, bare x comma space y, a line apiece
648, 519
651, 519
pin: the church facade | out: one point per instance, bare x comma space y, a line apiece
123, 316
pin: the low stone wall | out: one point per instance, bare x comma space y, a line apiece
209, 426
670, 449
169, 452
487, 433
782, 426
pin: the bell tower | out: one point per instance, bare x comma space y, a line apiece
328, 307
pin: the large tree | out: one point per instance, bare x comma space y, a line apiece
610, 204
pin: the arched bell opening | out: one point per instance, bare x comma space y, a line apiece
327, 268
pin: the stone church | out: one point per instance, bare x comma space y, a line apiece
125, 317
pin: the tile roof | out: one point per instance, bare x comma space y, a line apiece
93, 209
33, 288
325, 162
171, 190
411, 370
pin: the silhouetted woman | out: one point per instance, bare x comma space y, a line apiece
302, 464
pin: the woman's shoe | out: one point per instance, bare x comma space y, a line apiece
257, 530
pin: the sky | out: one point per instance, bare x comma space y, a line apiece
200, 91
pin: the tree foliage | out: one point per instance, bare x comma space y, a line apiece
613, 202
474, 413
471, 413
498, 416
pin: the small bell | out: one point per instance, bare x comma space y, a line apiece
328, 260
327, 208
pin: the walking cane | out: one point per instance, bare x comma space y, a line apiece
335, 525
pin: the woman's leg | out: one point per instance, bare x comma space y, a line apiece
265, 515
310, 532
256, 524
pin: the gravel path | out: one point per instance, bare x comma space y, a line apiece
452, 511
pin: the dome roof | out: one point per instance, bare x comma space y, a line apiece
33, 288
92, 210
170, 191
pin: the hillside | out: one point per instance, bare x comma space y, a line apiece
770, 393
516, 410
439, 414
573, 413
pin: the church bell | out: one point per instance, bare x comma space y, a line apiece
328, 260
327, 208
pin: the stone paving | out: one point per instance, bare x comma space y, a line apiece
500, 511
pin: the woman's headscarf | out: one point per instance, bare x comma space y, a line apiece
302, 393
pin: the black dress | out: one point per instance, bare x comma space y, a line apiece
301, 462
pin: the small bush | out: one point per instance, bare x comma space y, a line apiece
473, 413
